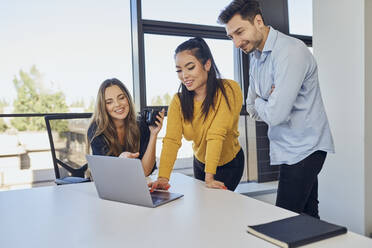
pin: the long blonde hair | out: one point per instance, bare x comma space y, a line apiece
105, 126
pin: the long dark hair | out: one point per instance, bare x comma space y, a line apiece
105, 125
200, 50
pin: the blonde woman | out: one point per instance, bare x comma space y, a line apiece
115, 129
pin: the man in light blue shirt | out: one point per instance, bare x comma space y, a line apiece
284, 93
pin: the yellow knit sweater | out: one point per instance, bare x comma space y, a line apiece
215, 139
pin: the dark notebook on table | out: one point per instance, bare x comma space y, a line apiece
296, 231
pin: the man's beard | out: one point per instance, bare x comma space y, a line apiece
254, 47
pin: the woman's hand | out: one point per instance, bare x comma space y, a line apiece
215, 184
129, 155
154, 130
211, 183
160, 183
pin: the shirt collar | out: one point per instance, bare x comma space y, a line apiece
269, 44
270, 41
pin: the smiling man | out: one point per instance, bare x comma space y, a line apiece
283, 92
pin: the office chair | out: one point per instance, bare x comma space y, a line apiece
67, 138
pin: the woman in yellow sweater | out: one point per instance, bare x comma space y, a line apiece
206, 110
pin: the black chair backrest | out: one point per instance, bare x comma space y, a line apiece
67, 137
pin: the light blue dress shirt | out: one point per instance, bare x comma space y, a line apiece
294, 112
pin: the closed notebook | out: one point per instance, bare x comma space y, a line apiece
296, 231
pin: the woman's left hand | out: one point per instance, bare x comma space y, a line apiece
215, 184
211, 183
159, 123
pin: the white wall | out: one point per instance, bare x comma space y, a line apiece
368, 114
339, 47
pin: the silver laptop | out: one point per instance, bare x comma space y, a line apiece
123, 180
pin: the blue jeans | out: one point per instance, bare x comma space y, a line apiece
230, 173
298, 185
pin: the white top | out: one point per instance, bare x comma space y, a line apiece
74, 216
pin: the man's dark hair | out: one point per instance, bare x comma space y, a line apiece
247, 9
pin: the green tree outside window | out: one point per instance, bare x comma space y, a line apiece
32, 97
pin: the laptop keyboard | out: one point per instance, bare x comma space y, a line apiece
156, 200
159, 196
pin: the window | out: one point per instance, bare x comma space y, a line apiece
64, 47
192, 11
160, 38
300, 17
161, 79
57, 53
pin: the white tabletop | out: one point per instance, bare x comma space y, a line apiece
74, 216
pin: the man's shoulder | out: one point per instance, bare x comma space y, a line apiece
287, 46
287, 43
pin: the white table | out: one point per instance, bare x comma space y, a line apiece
74, 216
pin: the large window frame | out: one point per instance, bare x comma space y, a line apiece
140, 27
275, 12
